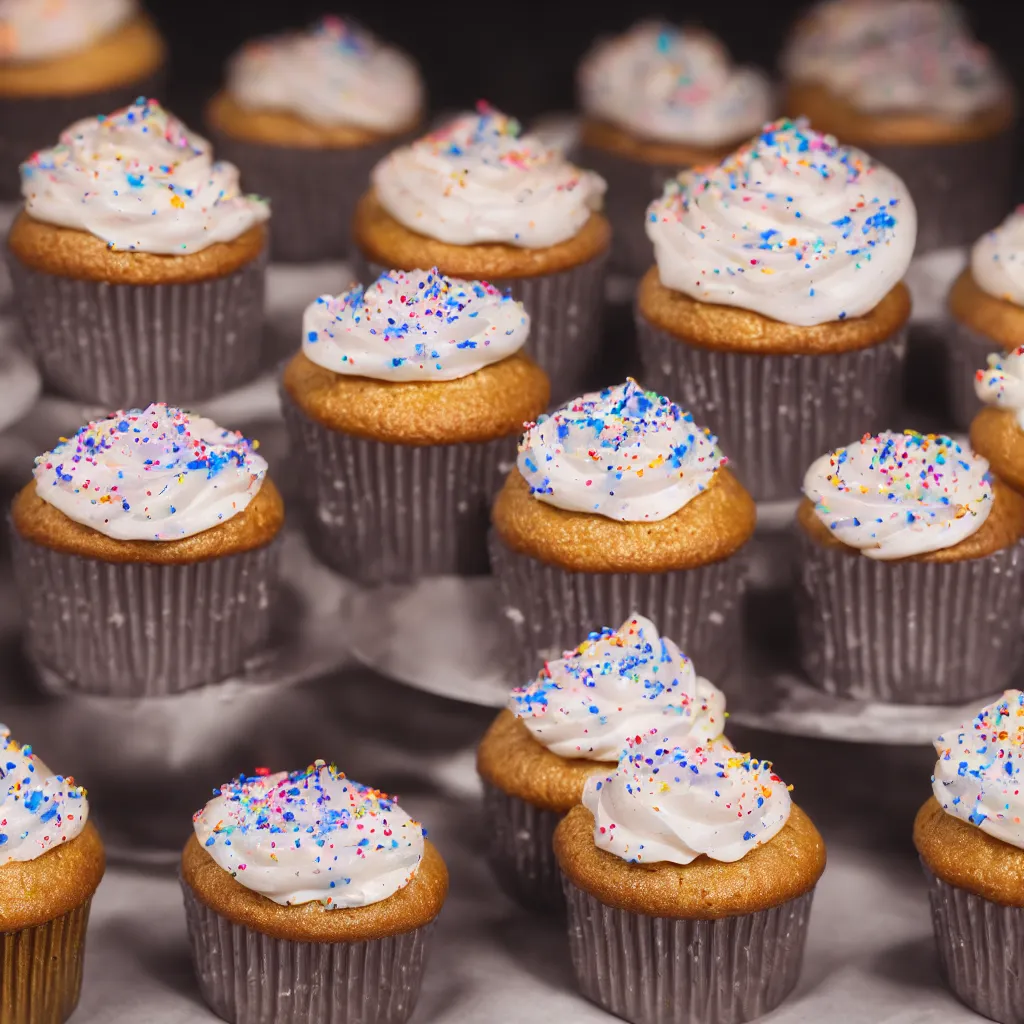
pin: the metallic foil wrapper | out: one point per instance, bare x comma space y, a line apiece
775, 414
967, 351
960, 189
41, 969
565, 322
979, 945
519, 850
130, 629
552, 610
656, 970
392, 513
123, 346
909, 632
247, 977
36, 123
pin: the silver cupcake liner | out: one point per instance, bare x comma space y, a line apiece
908, 632
775, 414
247, 977
519, 850
979, 944
967, 351
552, 610
393, 513
961, 190
565, 313
136, 630
656, 970
120, 345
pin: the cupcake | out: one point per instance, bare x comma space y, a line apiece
479, 200
62, 60
910, 558
572, 722
694, 857
405, 400
619, 503
656, 99
997, 432
907, 81
776, 310
309, 898
51, 861
137, 263
971, 843
986, 305
306, 115
144, 554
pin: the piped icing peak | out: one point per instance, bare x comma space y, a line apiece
1002, 383
624, 453
40, 29
895, 495
414, 326
311, 836
793, 226
622, 683
154, 474
479, 179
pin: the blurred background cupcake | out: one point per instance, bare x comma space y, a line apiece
62, 60
907, 81
656, 99
306, 115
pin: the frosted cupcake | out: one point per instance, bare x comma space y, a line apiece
144, 554
572, 722
697, 856
306, 115
987, 307
776, 310
51, 862
309, 897
61, 60
481, 201
620, 503
137, 263
907, 81
910, 559
656, 99
997, 432
403, 404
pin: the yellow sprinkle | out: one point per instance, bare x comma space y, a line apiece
177, 202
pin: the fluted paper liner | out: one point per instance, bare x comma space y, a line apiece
392, 513
135, 630
909, 632
41, 969
967, 351
520, 852
123, 346
247, 977
565, 322
552, 610
656, 970
775, 414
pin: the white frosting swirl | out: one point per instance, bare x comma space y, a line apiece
333, 74
151, 474
415, 325
618, 684
38, 810
38, 29
311, 836
978, 774
896, 56
625, 453
674, 802
477, 179
661, 82
898, 495
1002, 383
141, 181
792, 226
997, 260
